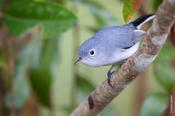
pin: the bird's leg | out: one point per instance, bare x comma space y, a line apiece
109, 72
109, 75
122, 62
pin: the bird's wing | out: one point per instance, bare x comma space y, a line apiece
121, 37
126, 36
131, 39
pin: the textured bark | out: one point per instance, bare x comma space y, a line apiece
148, 51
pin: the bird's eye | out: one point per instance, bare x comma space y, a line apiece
92, 52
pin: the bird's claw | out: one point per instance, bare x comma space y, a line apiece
109, 79
122, 63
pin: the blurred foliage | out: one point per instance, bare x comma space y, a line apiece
2, 2
41, 67
43, 21
102, 16
84, 88
22, 91
130, 7
53, 17
162, 67
35, 63
155, 104
156, 4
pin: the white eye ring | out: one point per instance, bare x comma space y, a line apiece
92, 52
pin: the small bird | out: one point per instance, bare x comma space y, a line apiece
113, 44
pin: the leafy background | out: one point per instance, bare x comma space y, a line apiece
39, 40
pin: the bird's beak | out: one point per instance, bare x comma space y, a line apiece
78, 61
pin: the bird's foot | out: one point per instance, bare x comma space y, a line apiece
109, 78
122, 63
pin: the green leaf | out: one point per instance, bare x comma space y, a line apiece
2, 2
162, 68
128, 10
155, 105
41, 71
41, 80
53, 17
130, 6
41, 56
156, 4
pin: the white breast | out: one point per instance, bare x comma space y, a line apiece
119, 56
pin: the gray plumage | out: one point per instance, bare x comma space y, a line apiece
111, 45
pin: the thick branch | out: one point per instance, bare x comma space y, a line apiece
155, 38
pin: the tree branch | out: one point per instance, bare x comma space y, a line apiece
148, 51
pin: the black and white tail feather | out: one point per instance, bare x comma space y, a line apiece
138, 23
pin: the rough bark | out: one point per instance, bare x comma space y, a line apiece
148, 51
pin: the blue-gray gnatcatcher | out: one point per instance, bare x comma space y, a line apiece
113, 44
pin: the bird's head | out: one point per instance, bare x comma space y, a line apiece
89, 52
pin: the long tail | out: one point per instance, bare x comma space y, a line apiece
142, 20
